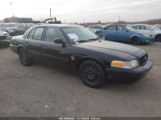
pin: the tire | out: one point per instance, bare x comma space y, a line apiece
135, 40
24, 58
158, 38
92, 74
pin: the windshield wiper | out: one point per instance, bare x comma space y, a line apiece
82, 41
93, 39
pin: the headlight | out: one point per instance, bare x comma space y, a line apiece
125, 64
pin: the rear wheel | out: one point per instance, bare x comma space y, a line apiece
92, 74
135, 40
24, 57
158, 38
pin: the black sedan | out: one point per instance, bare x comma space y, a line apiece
96, 60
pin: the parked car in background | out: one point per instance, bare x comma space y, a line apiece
4, 38
15, 28
154, 31
125, 34
79, 48
95, 28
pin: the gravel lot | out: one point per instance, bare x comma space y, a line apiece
43, 90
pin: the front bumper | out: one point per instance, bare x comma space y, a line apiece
126, 74
147, 40
13, 48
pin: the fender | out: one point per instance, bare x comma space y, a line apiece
79, 62
134, 36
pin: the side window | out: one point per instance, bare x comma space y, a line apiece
147, 28
111, 28
31, 34
52, 34
141, 27
38, 33
121, 28
136, 27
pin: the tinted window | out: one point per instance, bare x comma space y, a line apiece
52, 34
38, 33
31, 34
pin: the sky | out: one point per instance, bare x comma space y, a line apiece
83, 10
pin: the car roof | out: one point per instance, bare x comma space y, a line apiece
140, 25
58, 25
116, 25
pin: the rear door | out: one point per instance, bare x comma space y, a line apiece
54, 52
123, 34
110, 32
33, 42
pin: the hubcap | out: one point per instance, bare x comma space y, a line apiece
92, 74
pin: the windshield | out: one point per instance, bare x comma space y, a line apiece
79, 34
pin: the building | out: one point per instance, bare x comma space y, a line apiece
18, 20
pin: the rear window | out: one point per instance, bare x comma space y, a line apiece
38, 33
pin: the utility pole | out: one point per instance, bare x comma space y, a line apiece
12, 7
119, 18
50, 12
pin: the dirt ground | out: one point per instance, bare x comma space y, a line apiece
43, 90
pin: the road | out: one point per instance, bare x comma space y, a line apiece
45, 90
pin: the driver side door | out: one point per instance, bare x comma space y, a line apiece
55, 52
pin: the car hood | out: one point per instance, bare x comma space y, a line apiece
113, 48
3, 33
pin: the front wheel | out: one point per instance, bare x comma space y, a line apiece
135, 41
24, 57
92, 74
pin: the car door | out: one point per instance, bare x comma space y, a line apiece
54, 52
110, 32
33, 42
123, 34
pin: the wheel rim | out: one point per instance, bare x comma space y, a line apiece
91, 74
135, 41
158, 38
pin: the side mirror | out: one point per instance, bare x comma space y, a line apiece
60, 41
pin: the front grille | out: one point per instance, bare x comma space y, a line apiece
143, 59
